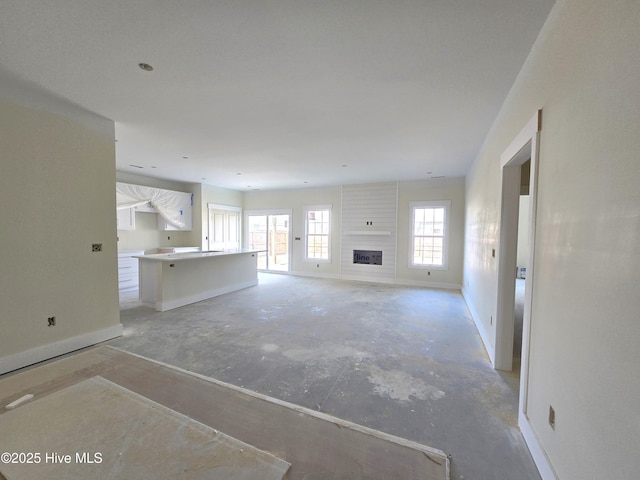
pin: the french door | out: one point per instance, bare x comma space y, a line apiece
270, 232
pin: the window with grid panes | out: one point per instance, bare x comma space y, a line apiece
429, 234
318, 233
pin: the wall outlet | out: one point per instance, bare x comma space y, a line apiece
552, 417
96, 247
428, 273
51, 322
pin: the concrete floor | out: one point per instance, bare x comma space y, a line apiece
407, 361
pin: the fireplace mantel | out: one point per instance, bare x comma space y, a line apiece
369, 232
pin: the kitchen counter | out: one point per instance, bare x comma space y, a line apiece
172, 280
170, 257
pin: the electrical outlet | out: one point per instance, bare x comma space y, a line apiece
552, 417
96, 247
428, 273
51, 322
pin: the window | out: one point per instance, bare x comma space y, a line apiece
429, 232
318, 233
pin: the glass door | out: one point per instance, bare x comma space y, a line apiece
270, 232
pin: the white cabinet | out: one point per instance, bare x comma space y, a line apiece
185, 211
126, 219
128, 270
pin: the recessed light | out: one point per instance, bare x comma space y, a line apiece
238, 173
153, 166
136, 166
305, 182
146, 67
203, 178
344, 165
185, 158
429, 173
439, 176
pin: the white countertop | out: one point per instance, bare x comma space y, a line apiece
170, 257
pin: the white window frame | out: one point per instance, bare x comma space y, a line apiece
307, 209
446, 204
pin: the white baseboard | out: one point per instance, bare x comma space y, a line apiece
51, 350
481, 330
180, 302
537, 452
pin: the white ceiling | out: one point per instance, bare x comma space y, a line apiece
280, 93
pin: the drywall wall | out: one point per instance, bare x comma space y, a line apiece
435, 189
146, 234
210, 194
58, 173
451, 189
523, 232
583, 72
297, 200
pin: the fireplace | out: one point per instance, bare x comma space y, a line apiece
367, 257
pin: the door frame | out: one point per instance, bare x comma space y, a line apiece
524, 146
267, 213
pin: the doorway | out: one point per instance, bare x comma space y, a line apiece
523, 148
269, 231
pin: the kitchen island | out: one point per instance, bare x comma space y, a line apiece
172, 280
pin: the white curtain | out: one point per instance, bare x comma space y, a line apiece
166, 202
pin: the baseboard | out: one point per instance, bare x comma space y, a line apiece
481, 330
180, 302
51, 350
537, 452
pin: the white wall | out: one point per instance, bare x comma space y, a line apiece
523, 231
584, 73
435, 189
296, 200
58, 197
432, 190
206, 194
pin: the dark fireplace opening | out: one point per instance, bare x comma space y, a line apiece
367, 257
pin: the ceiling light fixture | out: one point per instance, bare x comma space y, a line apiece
146, 67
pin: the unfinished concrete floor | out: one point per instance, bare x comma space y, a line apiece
403, 360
